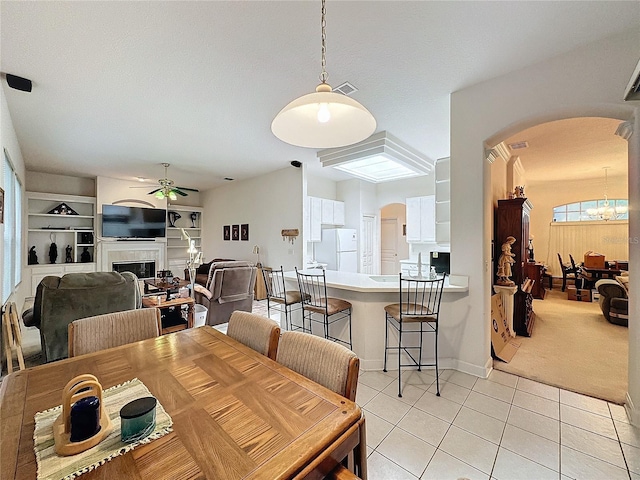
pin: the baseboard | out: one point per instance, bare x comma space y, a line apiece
632, 412
444, 364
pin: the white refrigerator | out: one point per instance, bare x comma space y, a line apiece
338, 249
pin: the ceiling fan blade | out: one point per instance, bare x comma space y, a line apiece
175, 190
154, 191
188, 189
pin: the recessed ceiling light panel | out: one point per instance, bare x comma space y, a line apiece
380, 158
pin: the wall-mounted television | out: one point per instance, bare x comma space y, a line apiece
133, 222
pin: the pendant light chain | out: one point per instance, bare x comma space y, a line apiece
324, 75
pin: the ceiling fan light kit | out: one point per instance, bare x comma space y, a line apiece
323, 119
167, 188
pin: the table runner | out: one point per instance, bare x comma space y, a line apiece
52, 466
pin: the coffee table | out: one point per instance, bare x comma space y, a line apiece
163, 285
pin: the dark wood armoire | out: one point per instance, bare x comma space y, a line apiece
512, 219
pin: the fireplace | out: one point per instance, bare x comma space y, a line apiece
123, 256
139, 269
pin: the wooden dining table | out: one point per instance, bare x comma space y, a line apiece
236, 414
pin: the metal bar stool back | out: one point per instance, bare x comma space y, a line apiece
278, 297
419, 305
313, 292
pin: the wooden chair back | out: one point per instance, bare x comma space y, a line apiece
323, 361
92, 334
255, 331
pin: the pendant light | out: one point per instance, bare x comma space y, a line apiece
323, 119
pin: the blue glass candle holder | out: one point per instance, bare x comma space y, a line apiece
85, 419
138, 419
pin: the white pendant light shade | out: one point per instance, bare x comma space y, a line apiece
323, 119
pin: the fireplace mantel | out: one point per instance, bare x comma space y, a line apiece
111, 251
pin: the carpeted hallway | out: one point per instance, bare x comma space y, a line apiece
575, 348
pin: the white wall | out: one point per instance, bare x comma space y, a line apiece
400, 190
9, 140
62, 184
268, 203
588, 81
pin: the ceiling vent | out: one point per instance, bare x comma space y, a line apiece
346, 89
518, 145
632, 92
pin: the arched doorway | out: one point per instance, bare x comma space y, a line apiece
560, 162
393, 245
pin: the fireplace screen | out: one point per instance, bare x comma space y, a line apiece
139, 269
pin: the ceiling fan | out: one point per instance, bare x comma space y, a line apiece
167, 188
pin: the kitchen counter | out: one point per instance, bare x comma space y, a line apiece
362, 282
369, 294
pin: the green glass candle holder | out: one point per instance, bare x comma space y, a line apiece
138, 419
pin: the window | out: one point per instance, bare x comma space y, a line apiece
12, 223
578, 212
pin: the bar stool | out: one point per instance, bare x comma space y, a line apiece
277, 293
419, 304
313, 293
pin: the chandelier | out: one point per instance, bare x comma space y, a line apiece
605, 211
323, 119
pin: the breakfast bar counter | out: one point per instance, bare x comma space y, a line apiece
369, 294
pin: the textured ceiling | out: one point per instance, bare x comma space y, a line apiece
120, 87
576, 148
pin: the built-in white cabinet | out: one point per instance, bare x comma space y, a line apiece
421, 222
179, 217
69, 222
323, 211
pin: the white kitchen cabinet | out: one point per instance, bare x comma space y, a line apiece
323, 211
327, 211
421, 223
338, 213
315, 219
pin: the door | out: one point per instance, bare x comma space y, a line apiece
367, 249
389, 246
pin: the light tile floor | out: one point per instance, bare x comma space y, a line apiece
501, 428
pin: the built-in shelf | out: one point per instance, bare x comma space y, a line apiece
58, 215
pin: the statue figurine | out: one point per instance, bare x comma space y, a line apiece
504, 263
53, 253
173, 216
85, 256
194, 217
68, 258
33, 258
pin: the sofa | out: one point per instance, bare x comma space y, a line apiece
61, 300
614, 299
229, 287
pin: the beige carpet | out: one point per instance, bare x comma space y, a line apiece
573, 347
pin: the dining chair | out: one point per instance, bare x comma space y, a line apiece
419, 305
313, 293
255, 331
568, 272
278, 294
321, 360
92, 334
336, 368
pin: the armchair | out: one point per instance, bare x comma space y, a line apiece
61, 300
614, 300
229, 287
202, 272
